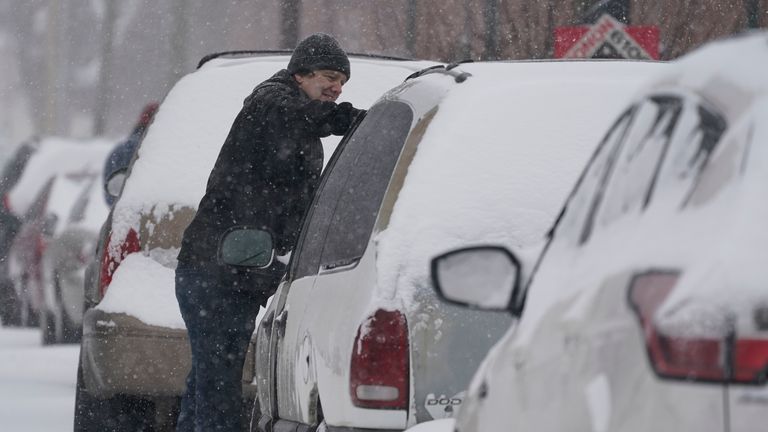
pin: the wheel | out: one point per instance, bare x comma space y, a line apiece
121, 413
64, 330
28, 316
10, 313
48, 327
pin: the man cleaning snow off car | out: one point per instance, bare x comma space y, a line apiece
264, 178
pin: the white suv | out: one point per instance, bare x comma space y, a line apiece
355, 338
649, 308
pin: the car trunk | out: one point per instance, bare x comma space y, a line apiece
447, 345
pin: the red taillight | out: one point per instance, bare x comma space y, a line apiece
110, 260
7, 203
724, 358
380, 361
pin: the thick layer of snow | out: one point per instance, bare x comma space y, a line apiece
145, 289
140, 285
498, 160
57, 156
179, 151
37, 384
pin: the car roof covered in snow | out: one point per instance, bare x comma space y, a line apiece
499, 159
181, 146
56, 156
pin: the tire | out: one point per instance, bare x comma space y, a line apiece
10, 313
121, 413
27, 316
64, 330
48, 327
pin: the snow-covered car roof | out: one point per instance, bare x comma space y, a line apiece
737, 63
181, 146
57, 156
499, 159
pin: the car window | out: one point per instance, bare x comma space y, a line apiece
318, 217
570, 226
638, 162
695, 140
348, 189
725, 165
376, 147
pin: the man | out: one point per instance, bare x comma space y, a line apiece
265, 176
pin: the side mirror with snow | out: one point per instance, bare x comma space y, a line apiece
482, 277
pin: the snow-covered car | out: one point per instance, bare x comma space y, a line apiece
9, 227
649, 308
355, 338
68, 251
135, 352
42, 197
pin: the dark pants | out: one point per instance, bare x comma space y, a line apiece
220, 322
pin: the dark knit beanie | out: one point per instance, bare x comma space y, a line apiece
319, 51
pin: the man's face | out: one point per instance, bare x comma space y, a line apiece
323, 84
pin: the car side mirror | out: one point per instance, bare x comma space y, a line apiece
482, 277
247, 247
115, 182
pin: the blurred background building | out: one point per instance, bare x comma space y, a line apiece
86, 67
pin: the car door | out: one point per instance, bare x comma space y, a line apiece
354, 163
534, 370
289, 303
584, 339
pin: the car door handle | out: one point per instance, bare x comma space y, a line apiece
280, 321
266, 322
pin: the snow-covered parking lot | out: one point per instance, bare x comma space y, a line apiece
37, 383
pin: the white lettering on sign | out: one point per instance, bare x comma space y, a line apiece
607, 30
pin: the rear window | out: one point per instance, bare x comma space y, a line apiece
347, 203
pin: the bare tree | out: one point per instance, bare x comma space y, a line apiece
289, 11
686, 24
103, 93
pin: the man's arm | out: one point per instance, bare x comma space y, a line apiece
321, 118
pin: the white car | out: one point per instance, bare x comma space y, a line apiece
42, 197
648, 311
135, 352
355, 339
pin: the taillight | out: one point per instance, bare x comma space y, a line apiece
7, 203
111, 260
380, 362
721, 358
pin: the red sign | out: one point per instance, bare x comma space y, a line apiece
607, 38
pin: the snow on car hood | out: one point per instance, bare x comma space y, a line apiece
498, 160
144, 289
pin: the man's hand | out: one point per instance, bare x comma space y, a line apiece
343, 118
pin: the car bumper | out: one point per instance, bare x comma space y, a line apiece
122, 355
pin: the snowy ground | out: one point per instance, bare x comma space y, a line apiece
37, 384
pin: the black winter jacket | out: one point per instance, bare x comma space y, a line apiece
266, 173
